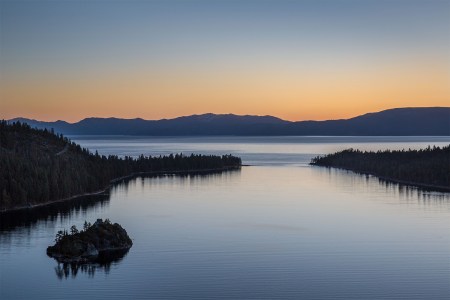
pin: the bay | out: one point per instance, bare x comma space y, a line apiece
276, 229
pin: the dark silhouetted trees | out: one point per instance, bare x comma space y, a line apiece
39, 166
427, 167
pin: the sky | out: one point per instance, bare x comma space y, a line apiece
297, 60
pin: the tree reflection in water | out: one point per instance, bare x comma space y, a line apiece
102, 263
50, 213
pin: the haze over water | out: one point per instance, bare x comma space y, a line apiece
277, 229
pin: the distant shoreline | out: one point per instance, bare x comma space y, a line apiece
405, 121
105, 191
427, 168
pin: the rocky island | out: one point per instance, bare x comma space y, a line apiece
99, 239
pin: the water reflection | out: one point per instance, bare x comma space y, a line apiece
309, 232
47, 216
352, 182
410, 191
194, 177
103, 263
50, 213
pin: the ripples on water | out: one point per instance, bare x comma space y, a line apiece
277, 230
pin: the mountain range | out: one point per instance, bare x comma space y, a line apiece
431, 121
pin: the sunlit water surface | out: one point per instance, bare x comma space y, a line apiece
278, 229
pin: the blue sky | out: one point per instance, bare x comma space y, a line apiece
41, 41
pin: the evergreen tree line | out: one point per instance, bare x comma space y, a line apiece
427, 167
38, 166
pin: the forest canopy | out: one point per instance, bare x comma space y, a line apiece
38, 166
429, 167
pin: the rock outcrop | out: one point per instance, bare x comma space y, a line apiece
88, 244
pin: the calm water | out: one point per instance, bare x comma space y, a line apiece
276, 229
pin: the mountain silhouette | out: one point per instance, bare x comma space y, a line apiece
432, 121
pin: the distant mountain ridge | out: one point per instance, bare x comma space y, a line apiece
431, 121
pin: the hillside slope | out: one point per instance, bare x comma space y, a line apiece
38, 166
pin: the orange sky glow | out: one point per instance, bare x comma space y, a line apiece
330, 94
296, 61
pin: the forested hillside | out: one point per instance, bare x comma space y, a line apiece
39, 166
425, 167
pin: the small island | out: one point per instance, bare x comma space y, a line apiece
425, 168
88, 244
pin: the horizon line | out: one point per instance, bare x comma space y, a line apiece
220, 114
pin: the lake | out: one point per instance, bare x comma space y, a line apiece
276, 229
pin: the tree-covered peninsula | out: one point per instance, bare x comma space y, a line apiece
429, 167
38, 166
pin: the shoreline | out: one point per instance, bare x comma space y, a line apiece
105, 191
424, 186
